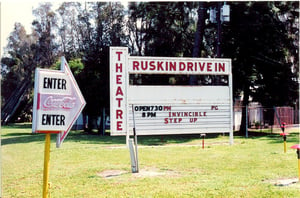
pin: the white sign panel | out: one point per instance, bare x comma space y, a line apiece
179, 109
167, 65
169, 109
118, 90
57, 101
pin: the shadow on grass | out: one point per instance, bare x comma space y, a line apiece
148, 140
21, 138
151, 140
91, 138
274, 138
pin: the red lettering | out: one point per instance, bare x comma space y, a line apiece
181, 66
144, 67
172, 120
119, 67
159, 66
189, 66
119, 125
152, 65
119, 101
119, 55
221, 67
209, 67
166, 121
119, 91
201, 66
135, 65
119, 114
118, 77
173, 66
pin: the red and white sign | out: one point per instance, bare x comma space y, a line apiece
118, 90
168, 109
57, 101
168, 65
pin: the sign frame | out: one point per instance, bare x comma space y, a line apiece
123, 95
57, 103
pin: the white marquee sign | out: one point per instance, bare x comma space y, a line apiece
168, 109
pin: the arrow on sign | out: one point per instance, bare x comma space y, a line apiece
77, 95
57, 101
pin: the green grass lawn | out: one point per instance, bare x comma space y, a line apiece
170, 166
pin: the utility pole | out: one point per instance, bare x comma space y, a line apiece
219, 30
200, 29
219, 15
198, 46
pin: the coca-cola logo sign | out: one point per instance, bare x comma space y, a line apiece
52, 103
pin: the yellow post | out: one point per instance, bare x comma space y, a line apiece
299, 169
46, 165
297, 146
284, 140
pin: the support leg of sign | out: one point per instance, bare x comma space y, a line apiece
46, 165
134, 152
132, 155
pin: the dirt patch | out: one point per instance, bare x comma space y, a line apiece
283, 181
153, 172
147, 172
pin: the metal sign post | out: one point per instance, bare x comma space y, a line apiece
134, 152
56, 106
46, 166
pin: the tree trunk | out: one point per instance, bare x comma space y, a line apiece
245, 102
198, 37
200, 29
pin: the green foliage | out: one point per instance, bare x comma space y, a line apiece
258, 40
261, 39
166, 28
75, 65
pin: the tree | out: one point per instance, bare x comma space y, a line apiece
150, 22
43, 29
107, 31
259, 45
198, 44
261, 39
69, 29
17, 69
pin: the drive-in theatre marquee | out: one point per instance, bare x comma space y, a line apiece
157, 108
